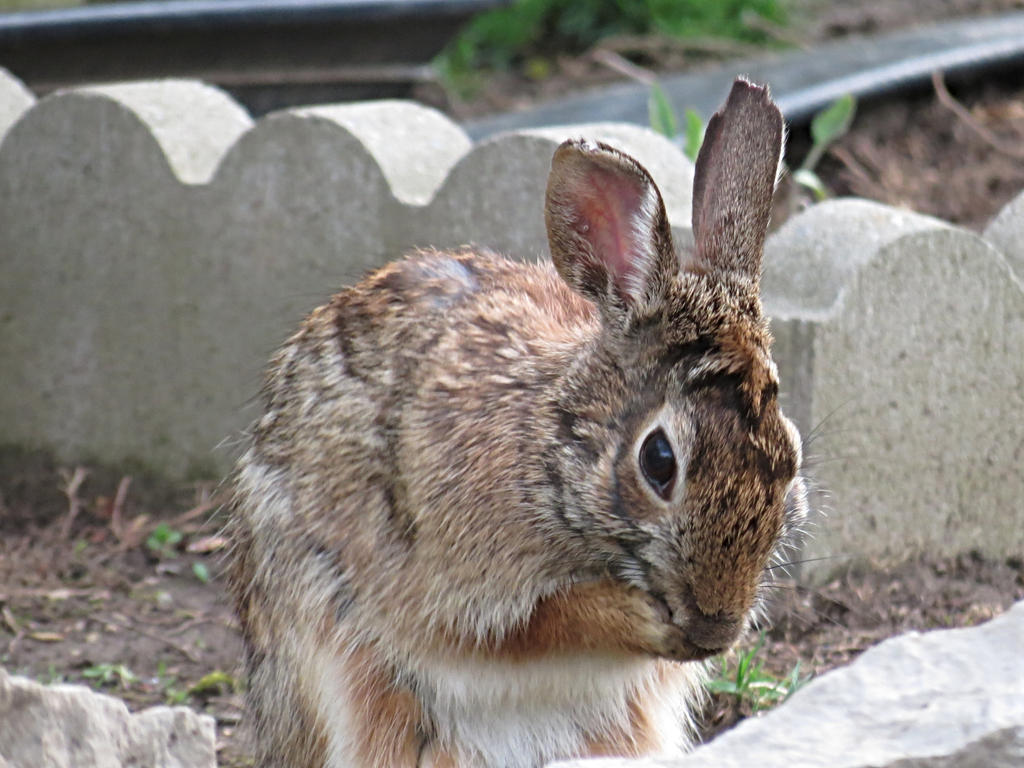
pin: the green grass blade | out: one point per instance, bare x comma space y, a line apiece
660, 112
694, 134
833, 121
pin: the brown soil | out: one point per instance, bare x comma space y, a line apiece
961, 159
84, 599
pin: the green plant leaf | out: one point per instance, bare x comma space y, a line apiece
201, 572
105, 674
660, 112
694, 134
163, 539
749, 683
214, 682
810, 180
833, 121
718, 685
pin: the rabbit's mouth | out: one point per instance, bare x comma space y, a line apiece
695, 653
695, 635
683, 649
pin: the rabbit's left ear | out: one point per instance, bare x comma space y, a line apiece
733, 182
609, 235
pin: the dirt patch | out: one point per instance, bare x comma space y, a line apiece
125, 598
957, 156
827, 21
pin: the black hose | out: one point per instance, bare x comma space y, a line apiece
187, 14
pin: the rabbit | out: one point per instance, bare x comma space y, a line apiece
497, 513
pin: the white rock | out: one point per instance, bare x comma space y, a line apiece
935, 700
71, 726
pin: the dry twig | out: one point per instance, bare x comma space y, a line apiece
190, 624
946, 99
153, 636
9, 622
71, 487
117, 508
620, 64
860, 172
203, 507
17, 631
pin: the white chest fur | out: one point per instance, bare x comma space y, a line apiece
524, 714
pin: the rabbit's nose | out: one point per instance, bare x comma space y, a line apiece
709, 631
713, 632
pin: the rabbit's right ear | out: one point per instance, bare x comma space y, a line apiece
733, 182
609, 234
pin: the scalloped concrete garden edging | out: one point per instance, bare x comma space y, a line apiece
900, 342
158, 245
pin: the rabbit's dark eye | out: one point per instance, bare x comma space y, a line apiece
658, 463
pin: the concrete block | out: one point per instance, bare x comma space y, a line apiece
900, 345
936, 700
414, 147
1006, 232
494, 196
93, 281
15, 99
158, 247
194, 123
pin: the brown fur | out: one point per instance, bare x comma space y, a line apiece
389, 715
592, 616
448, 487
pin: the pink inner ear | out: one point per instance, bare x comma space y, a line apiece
610, 218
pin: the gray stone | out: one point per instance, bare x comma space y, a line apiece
71, 726
935, 700
900, 345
